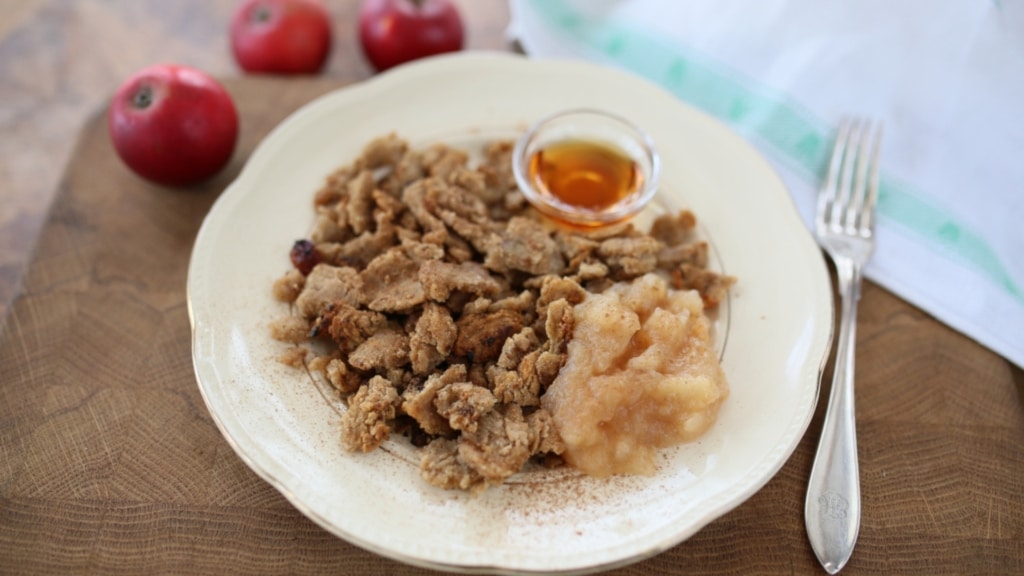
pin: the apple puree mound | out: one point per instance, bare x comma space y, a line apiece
641, 374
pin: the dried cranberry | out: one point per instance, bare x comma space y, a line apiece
304, 256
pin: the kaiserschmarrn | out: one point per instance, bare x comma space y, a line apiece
454, 315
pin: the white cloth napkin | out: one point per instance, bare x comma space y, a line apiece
945, 78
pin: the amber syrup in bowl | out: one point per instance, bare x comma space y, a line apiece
586, 168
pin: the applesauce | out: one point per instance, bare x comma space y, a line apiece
641, 374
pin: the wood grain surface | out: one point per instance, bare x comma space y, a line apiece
110, 463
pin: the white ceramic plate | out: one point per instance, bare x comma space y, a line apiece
775, 339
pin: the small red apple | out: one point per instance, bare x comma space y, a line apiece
281, 36
396, 31
173, 125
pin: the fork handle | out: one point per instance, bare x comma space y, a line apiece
832, 508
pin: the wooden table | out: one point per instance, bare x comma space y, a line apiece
110, 463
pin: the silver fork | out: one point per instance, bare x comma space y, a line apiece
844, 225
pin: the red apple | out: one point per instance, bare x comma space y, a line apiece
173, 125
396, 31
281, 36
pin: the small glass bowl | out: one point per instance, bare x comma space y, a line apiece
593, 126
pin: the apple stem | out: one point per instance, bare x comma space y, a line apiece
143, 97
417, 3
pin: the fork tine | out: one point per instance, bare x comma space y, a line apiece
853, 218
829, 192
842, 215
868, 221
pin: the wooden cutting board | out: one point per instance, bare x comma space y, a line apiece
110, 463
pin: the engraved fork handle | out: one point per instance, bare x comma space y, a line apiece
832, 509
